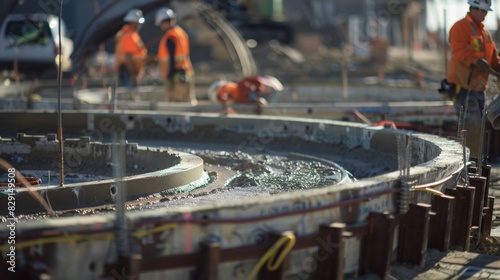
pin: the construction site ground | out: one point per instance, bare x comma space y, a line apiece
483, 260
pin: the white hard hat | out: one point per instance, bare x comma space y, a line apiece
213, 88
481, 4
134, 15
164, 14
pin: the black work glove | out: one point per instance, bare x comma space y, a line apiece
483, 65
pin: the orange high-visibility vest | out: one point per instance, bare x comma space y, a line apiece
252, 82
181, 56
468, 42
248, 84
240, 91
128, 41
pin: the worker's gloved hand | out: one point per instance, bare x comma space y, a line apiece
483, 65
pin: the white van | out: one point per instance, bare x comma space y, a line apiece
32, 42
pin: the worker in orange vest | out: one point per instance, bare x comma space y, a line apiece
254, 89
174, 59
473, 55
130, 53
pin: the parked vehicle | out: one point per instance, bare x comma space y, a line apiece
30, 43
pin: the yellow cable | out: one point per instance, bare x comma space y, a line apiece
58, 239
154, 230
273, 259
79, 237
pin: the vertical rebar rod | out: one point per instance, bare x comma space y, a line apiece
59, 114
408, 155
404, 164
465, 106
345, 91
445, 45
481, 143
463, 139
114, 96
122, 241
402, 195
463, 115
460, 122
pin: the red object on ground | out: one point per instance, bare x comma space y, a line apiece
32, 180
391, 124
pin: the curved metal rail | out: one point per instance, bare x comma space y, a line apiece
238, 51
108, 21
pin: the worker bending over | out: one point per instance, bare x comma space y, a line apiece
257, 90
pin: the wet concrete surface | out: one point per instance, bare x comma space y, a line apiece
234, 175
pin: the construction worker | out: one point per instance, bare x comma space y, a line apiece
173, 59
130, 53
473, 55
257, 90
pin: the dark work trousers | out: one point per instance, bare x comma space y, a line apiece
473, 116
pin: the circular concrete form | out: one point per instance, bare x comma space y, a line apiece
372, 154
153, 174
148, 172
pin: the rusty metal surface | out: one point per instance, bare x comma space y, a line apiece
494, 190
